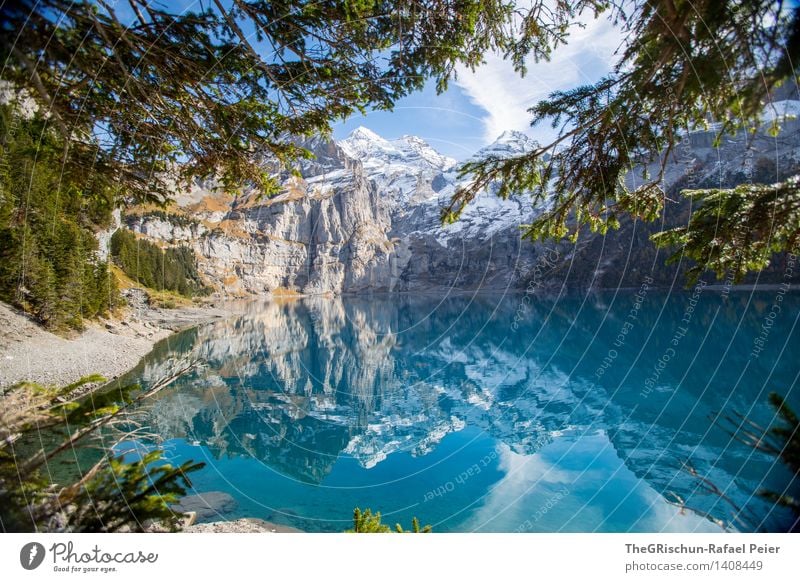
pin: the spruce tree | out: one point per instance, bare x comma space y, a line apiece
48, 251
682, 64
215, 90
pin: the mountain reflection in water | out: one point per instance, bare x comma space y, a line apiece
485, 413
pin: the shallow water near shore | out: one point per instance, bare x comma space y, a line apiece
486, 413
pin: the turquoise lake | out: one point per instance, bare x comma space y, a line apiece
601, 412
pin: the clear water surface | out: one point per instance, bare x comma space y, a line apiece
486, 413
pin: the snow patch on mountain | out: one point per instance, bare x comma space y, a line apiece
402, 168
780, 110
374, 151
507, 145
487, 214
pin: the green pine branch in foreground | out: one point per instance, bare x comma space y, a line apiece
216, 90
737, 230
368, 522
202, 101
681, 64
38, 424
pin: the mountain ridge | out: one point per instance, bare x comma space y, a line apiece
363, 216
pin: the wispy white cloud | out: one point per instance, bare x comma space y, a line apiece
573, 485
506, 98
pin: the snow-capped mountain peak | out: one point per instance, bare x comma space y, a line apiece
397, 166
409, 151
512, 135
364, 134
416, 146
509, 143
364, 143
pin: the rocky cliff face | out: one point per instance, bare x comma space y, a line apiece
363, 216
327, 232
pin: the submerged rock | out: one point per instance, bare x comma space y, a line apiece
207, 505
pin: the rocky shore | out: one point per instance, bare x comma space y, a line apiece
107, 347
211, 508
244, 525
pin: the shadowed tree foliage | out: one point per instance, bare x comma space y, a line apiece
682, 64
49, 265
38, 424
173, 269
781, 440
138, 87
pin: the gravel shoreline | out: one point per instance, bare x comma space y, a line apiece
244, 525
109, 347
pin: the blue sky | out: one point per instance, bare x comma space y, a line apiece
479, 106
449, 122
